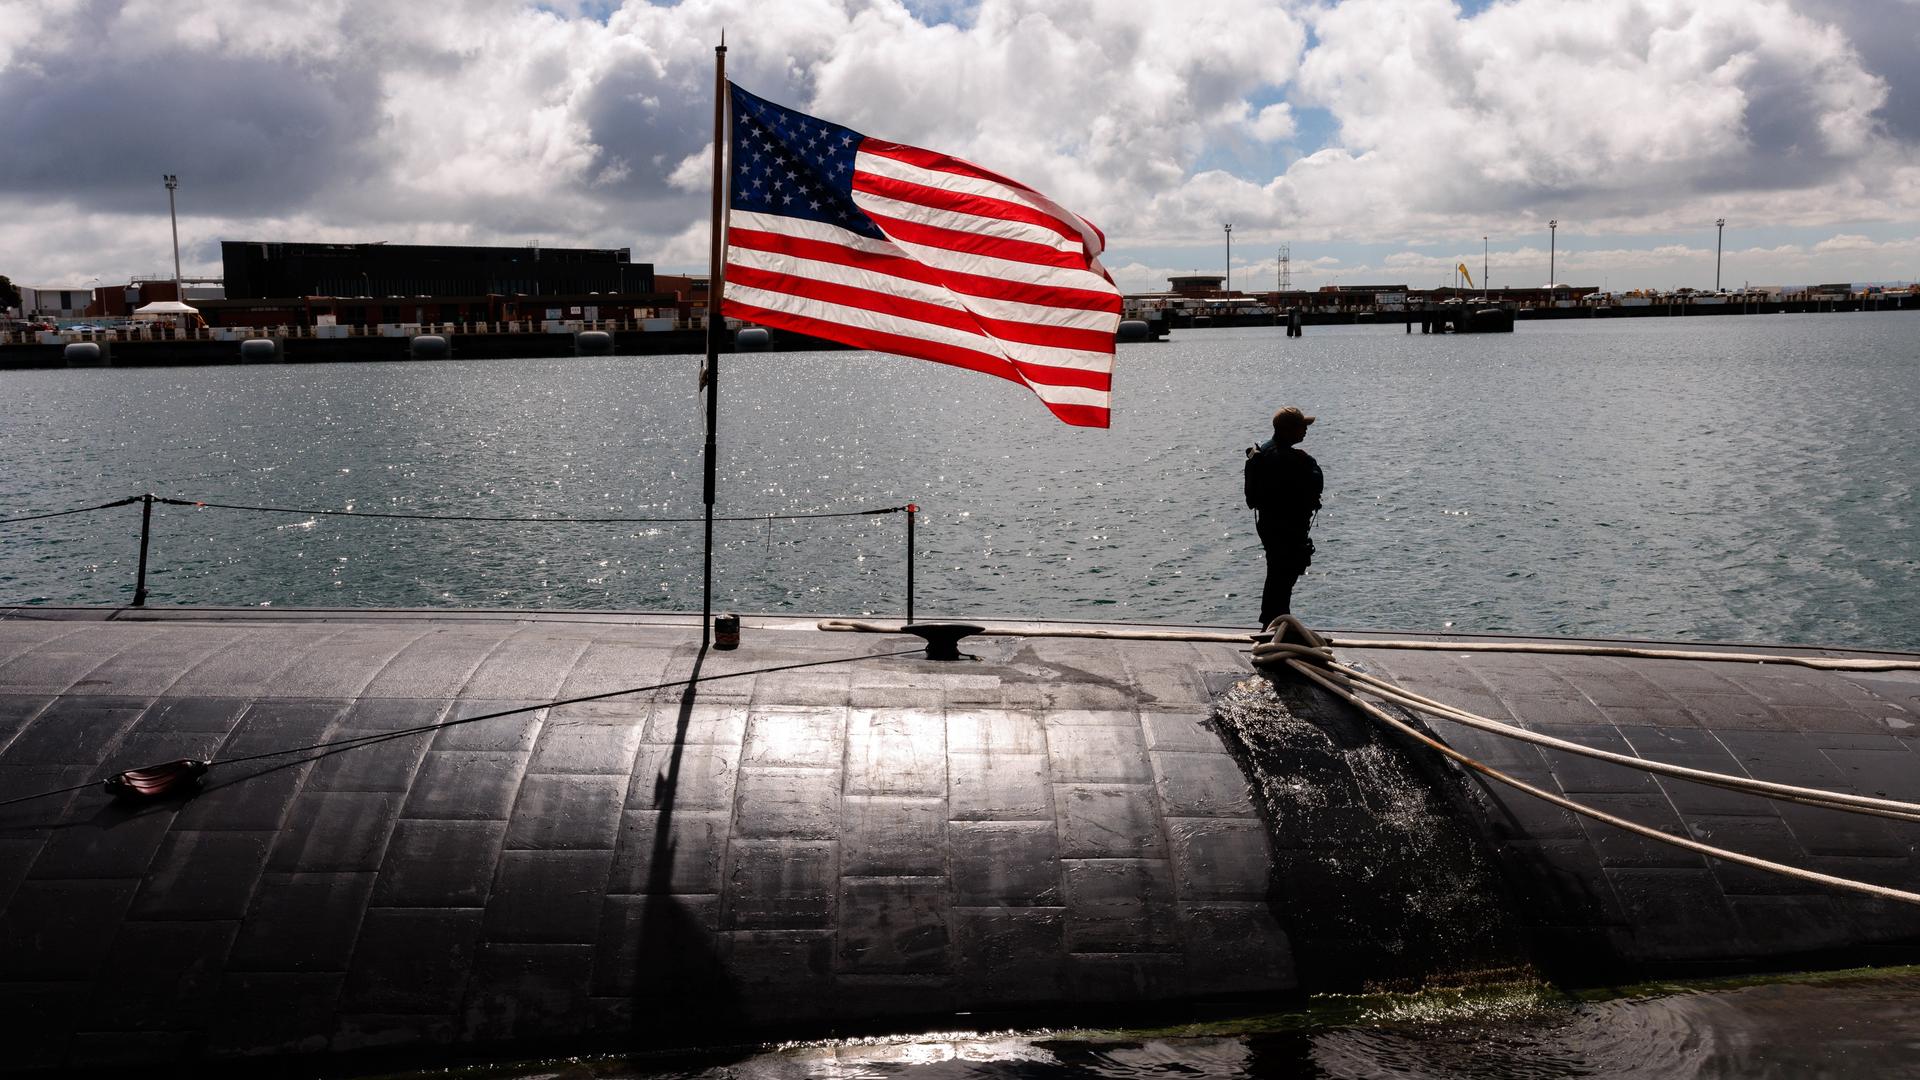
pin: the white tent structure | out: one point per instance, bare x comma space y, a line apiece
162, 309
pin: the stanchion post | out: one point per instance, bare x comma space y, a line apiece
146, 529
913, 511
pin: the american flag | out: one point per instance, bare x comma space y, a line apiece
889, 247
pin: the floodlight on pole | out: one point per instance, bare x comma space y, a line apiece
1553, 234
1720, 224
173, 217
1229, 277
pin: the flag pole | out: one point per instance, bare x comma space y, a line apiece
716, 324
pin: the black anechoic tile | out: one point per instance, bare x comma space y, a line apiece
436, 863
897, 751
567, 812
61, 930
302, 923
54, 788
1618, 847
1219, 858
660, 948
1093, 754
211, 715
1677, 915
268, 1012
1109, 821
1236, 948
333, 831
1201, 785
48, 1012
692, 777
413, 960
882, 835
385, 766
1008, 957
513, 732
782, 976
203, 875
1121, 905
548, 897
1005, 863
74, 730
780, 885
893, 925
788, 804
529, 991
660, 853
164, 974
105, 838
578, 749
1000, 786
469, 785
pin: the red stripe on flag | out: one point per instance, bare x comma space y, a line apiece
973, 243
969, 284
962, 202
861, 337
928, 159
1055, 337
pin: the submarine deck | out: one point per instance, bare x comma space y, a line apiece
831, 833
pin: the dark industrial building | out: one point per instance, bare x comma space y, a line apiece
257, 270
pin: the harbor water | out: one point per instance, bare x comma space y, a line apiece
1683, 479
1687, 479
1855, 1024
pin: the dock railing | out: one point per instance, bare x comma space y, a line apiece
147, 501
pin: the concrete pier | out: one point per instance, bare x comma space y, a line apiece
843, 835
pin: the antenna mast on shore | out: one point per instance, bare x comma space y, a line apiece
1286, 268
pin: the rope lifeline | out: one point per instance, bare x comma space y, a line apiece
64, 513
202, 504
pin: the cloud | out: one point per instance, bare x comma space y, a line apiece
587, 122
1274, 123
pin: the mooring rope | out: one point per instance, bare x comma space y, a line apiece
1313, 659
1273, 653
1821, 663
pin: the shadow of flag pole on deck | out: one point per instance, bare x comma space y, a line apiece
884, 246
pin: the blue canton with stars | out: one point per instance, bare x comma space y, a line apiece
789, 163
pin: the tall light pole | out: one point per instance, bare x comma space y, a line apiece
1553, 234
1229, 287
1484, 287
1719, 224
172, 183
